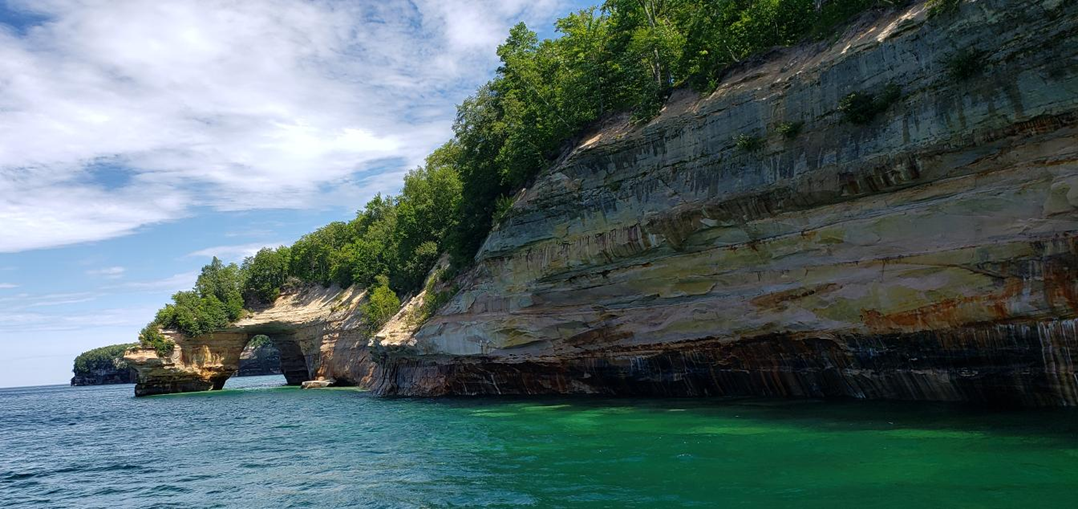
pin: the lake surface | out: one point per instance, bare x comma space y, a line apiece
257, 444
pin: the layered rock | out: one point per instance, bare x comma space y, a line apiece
930, 254
318, 333
122, 375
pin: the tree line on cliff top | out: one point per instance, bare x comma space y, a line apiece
107, 358
626, 55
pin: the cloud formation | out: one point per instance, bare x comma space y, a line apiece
121, 113
234, 253
107, 272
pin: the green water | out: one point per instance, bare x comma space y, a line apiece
260, 445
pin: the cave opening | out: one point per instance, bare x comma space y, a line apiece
277, 354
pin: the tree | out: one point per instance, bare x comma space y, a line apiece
264, 274
151, 337
224, 283
381, 305
106, 358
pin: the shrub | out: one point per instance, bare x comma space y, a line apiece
259, 341
790, 130
749, 143
862, 107
381, 305
151, 337
434, 300
501, 208
964, 64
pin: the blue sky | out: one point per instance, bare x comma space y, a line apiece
138, 139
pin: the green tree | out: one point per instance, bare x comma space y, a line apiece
151, 337
100, 359
264, 274
224, 283
381, 305
312, 255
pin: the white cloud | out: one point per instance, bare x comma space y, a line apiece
174, 283
234, 252
5, 286
122, 113
27, 300
107, 272
23, 322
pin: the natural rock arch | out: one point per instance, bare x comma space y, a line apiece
318, 331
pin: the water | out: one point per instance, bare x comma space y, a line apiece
262, 445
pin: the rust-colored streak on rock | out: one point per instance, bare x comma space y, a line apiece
781, 298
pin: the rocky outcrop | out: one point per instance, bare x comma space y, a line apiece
318, 333
930, 254
103, 366
124, 375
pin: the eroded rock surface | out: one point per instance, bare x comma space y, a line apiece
318, 332
930, 254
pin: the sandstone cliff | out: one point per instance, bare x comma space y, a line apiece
929, 254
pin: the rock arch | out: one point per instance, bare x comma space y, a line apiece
319, 332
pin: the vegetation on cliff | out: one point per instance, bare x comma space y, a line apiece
627, 55
105, 359
381, 305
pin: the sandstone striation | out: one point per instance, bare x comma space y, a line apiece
930, 254
318, 333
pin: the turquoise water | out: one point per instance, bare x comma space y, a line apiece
261, 445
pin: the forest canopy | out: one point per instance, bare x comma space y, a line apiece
106, 358
622, 56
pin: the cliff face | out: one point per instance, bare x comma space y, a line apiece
929, 254
121, 374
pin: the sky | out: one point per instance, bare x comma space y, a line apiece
140, 138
